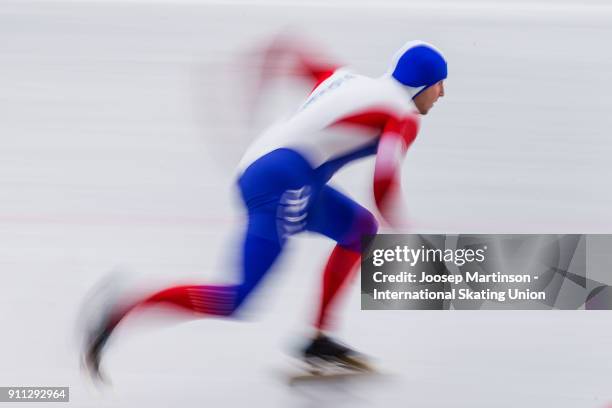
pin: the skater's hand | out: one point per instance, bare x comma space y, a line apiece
392, 206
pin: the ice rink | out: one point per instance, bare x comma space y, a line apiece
120, 124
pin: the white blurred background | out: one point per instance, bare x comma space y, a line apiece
120, 124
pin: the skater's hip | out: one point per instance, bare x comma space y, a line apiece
274, 173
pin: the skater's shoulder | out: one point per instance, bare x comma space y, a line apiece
381, 91
382, 94
347, 78
349, 90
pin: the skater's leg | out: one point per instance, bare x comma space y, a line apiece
260, 249
339, 268
263, 186
270, 188
340, 218
259, 253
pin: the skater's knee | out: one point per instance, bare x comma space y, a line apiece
243, 292
367, 223
364, 224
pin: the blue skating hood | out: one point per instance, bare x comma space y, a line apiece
418, 65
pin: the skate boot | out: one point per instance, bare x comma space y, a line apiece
98, 318
324, 353
93, 353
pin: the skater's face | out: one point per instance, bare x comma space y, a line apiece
426, 99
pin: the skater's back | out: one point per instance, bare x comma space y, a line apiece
340, 121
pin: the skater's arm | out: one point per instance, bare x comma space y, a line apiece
282, 57
315, 68
397, 137
305, 60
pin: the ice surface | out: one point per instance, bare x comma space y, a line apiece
119, 127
